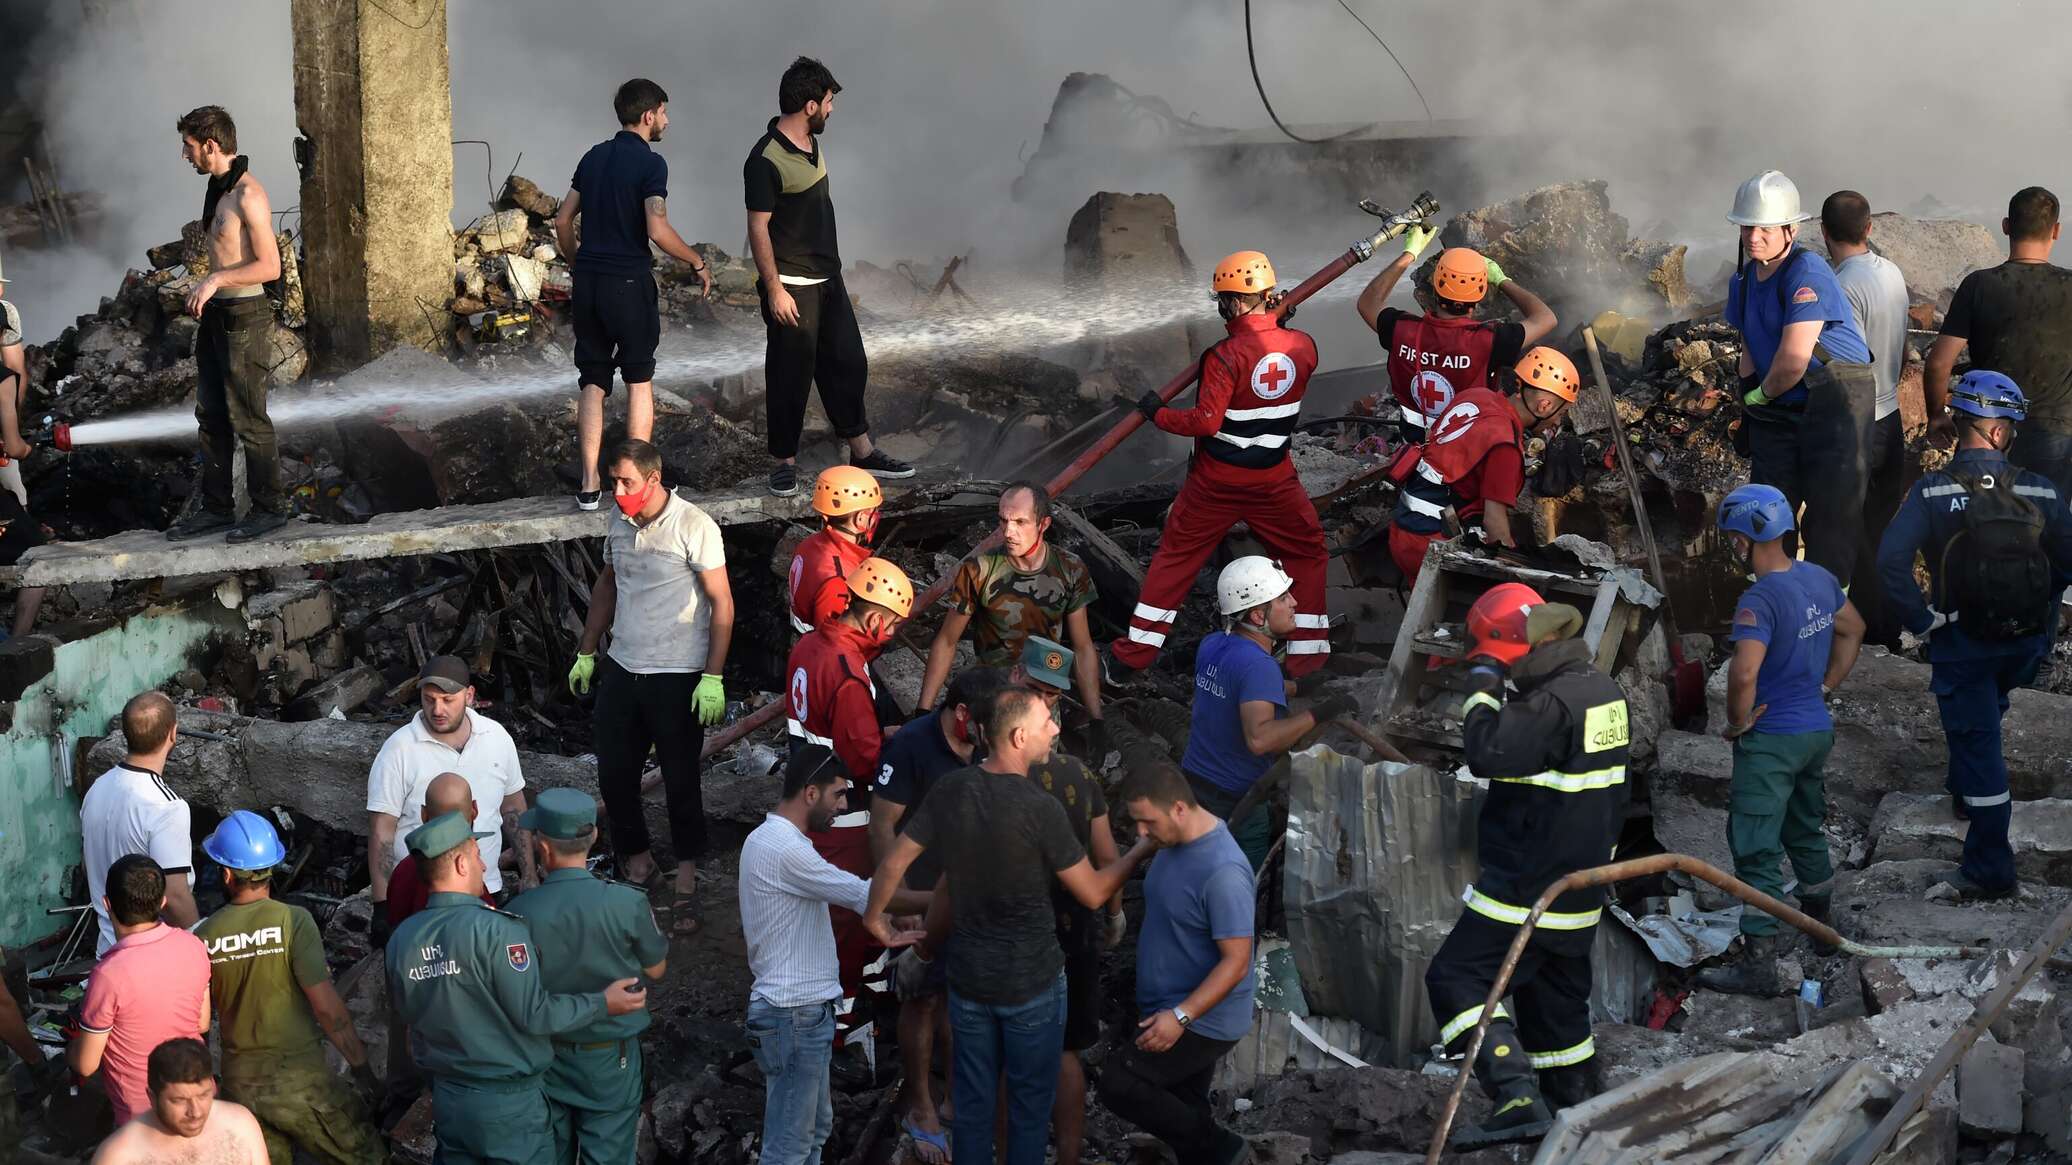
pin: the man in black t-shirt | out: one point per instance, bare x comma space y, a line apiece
813, 337
621, 190
2017, 320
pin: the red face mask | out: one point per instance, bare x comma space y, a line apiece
866, 528
631, 504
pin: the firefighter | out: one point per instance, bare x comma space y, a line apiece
848, 501
1555, 760
1244, 415
1991, 622
1432, 357
1474, 462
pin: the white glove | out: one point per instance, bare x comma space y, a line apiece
1908, 641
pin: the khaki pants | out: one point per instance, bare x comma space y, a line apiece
302, 1104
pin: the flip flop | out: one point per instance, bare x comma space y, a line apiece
924, 1141
683, 916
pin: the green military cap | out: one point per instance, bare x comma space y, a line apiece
440, 834
1048, 662
560, 813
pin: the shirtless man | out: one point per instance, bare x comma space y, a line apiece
232, 354
186, 1124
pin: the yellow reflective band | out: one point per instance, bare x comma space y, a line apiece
1566, 1057
1571, 782
1480, 700
1465, 1020
1491, 908
1604, 727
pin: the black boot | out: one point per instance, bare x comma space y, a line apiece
1820, 908
1505, 1072
199, 524
1754, 973
1570, 1084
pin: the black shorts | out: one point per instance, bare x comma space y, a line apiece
1082, 943
618, 321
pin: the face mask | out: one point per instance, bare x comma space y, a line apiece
866, 528
880, 635
631, 504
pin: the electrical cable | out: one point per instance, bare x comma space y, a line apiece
1252, 59
1393, 57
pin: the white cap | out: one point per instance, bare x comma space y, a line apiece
1248, 582
1767, 200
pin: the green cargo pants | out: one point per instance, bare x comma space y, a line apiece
302, 1104
490, 1124
594, 1094
1774, 812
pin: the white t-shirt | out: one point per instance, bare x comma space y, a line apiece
411, 757
661, 622
127, 811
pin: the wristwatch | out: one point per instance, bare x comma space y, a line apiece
1180, 1013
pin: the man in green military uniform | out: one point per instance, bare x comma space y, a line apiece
274, 1002
590, 932
464, 977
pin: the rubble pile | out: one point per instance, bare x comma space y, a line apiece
1567, 245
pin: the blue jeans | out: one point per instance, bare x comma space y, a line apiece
1972, 696
1021, 1041
793, 1046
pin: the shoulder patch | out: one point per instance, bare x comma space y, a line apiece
1805, 295
1745, 617
520, 956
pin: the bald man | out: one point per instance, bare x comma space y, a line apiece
131, 810
447, 793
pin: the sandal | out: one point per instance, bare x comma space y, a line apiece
683, 916
930, 1148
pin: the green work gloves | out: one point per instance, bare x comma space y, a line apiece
1755, 396
710, 700
1416, 239
579, 675
1496, 274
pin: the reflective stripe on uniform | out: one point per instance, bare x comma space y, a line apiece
1147, 638
1988, 802
1413, 416
799, 625
1568, 782
799, 730
1151, 614
1263, 441
1263, 414
1467, 1019
2036, 491
1942, 491
1418, 505
1312, 621
1425, 470
1566, 1056
856, 820
1491, 908
1309, 647
1480, 700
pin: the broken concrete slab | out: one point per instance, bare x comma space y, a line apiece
1886, 904
1989, 1091
1919, 825
1935, 254
1566, 244
334, 697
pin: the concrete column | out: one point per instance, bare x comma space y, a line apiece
373, 101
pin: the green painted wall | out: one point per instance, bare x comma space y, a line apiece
91, 680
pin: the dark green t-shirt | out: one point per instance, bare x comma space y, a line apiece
262, 956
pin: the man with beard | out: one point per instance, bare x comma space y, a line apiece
813, 337
185, 1121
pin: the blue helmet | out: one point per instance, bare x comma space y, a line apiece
1988, 394
1758, 511
245, 841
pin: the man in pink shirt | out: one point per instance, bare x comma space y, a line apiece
151, 986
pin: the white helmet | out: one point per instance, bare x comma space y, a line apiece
1767, 200
1248, 582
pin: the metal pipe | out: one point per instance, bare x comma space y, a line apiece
1657, 864
1362, 250
1372, 739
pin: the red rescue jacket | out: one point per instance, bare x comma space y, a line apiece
1431, 360
1477, 421
1250, 396
830, 700
819, 574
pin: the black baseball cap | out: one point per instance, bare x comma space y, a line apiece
448, 673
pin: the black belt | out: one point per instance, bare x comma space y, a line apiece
599, 1046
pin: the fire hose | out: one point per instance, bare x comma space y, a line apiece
1821, 932
1393, 225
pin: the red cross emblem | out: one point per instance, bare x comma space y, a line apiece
1273, 376
1457, 421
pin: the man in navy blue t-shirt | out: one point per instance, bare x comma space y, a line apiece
1809, 395
1795, 638
621, 191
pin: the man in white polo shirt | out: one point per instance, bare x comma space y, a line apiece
131, 810
665, 596
446, 736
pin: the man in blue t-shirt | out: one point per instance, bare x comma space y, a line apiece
1195, 980
1241, 723
1795, 638
621, 191
1807, 389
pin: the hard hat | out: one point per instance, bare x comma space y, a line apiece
1246, 271
1759, 511
1767, 200
845, 489
1248, 582
877, 581
245, 841
1988, 394
1461, 276
1497, 621
1544, 368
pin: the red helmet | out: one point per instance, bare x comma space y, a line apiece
1497, 622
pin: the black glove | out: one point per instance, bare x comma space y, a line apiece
1561, 466
1334, 705
378, 930
1485, 675
52, 1075
1149, 404
1307, 686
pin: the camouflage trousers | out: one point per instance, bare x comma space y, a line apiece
302, 1104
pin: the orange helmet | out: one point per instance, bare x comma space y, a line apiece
1544, 368
1461, 276
877, 581
1497, 622
845, 489
1246, 271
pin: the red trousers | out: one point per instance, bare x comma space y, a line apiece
1408, 550
1215, 498
847, 845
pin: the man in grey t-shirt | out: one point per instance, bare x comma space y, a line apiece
1877, 293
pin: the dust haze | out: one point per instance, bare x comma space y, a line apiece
943, 100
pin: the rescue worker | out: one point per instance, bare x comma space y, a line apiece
1795, 637
1555, 760
848, 501
1432, 357
590, 932
1809, 395
831, 701
1474, 462
1244, 415
274, 1003
1990, 622
1241, 725
464, 977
